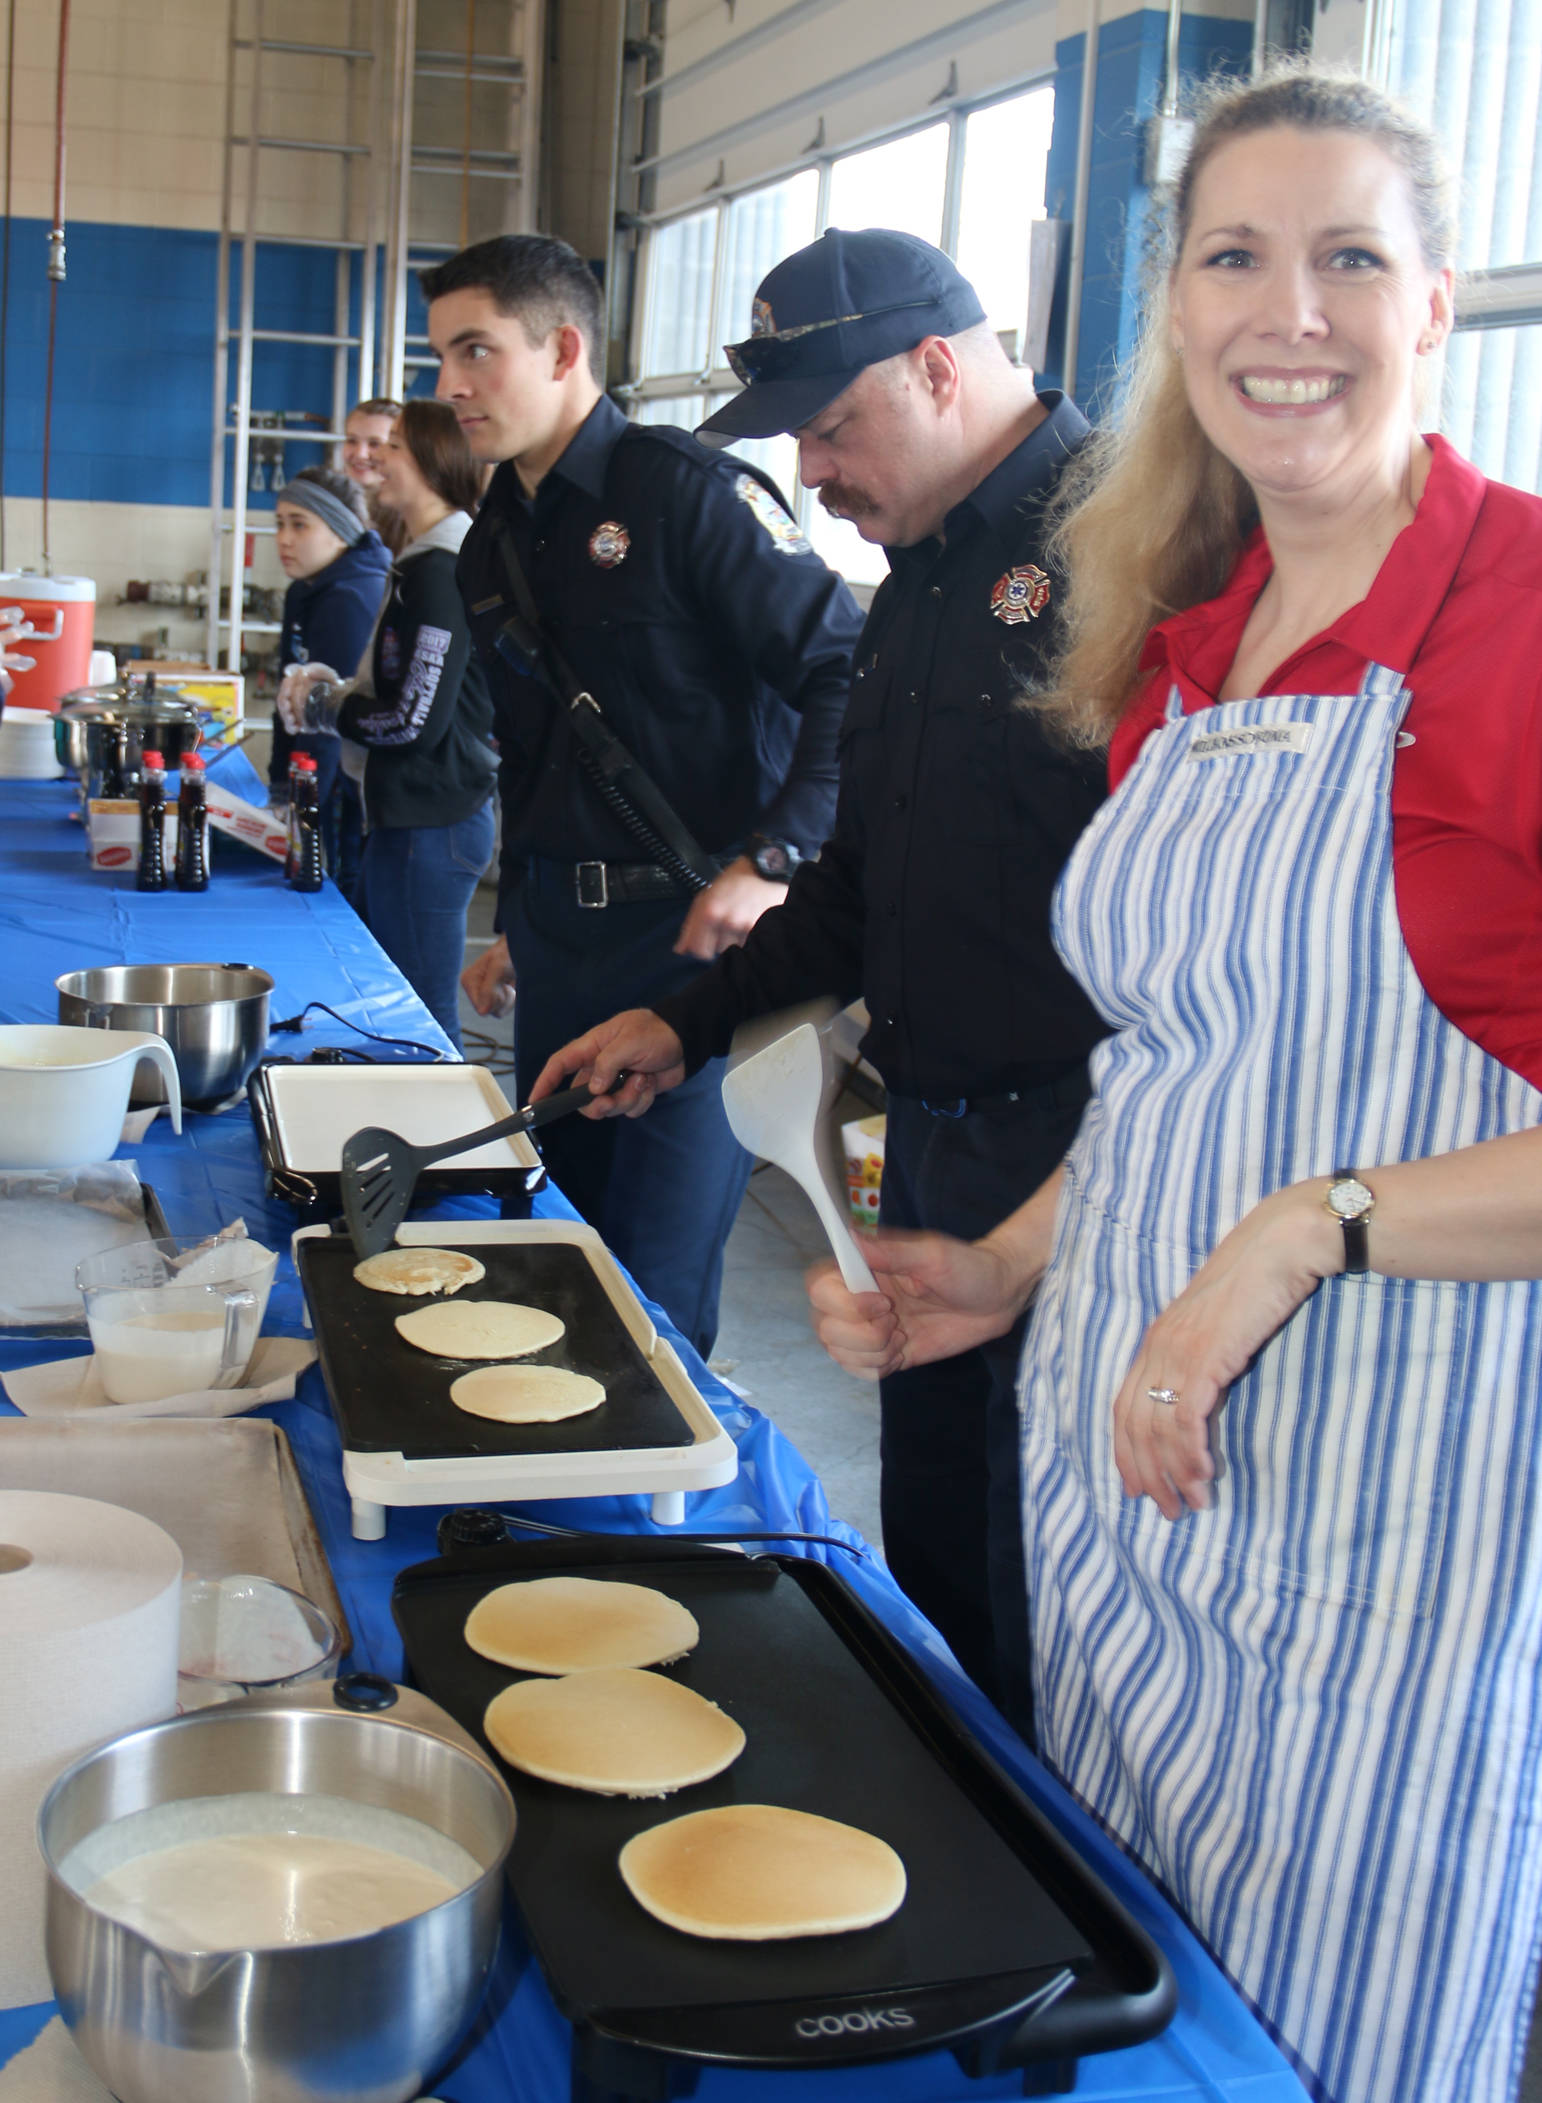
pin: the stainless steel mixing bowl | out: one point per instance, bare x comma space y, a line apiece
214, 1017
370, 2019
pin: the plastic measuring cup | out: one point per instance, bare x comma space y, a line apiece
174, 1317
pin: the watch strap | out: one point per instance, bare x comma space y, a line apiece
1357, 1240
774, 859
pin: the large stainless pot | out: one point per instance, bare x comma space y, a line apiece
214, 1017
91, 721
370, 2019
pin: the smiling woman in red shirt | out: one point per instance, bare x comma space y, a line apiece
1457, 608
1282, 1395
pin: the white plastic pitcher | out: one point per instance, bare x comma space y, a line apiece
64, 1091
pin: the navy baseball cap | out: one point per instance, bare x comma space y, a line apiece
845, 302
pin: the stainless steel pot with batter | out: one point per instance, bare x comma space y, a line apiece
98, 725
371, 2018
214, 1017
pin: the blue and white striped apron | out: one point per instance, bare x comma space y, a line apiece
1312, 1711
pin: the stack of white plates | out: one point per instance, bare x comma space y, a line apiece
27, 746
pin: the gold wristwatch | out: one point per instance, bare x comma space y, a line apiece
1352, 1202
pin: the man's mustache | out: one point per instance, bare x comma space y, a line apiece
848, 502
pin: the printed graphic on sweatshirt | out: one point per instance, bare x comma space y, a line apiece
401, 724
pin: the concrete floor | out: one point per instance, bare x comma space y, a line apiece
766, 1348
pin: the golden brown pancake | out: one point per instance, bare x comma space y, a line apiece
418, 1271
617, 1732
579, 1624
760, 1872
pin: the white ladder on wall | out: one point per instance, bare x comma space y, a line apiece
411, 123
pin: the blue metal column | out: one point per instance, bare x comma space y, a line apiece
1131, 50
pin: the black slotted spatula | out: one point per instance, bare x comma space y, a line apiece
381, 1169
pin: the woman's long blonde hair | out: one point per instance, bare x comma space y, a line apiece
1153, 517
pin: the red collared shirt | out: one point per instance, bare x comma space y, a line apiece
1457, 608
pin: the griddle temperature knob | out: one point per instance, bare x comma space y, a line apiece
363, 1693
470, 1527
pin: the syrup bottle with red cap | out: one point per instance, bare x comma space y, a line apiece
193, 827
309, 864
152, 823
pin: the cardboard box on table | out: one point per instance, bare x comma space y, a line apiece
221, 693
112, 827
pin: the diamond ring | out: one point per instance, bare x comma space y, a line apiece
1168, 1395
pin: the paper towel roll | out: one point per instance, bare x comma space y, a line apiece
89, 1598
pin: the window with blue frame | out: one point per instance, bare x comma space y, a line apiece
973, 182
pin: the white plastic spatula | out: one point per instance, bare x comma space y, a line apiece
779, 1085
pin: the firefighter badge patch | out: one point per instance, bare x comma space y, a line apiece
608, 544
781, 525
1021, 595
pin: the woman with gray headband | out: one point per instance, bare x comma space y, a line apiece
338, 568
417, 710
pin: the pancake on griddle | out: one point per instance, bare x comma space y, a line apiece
416, 1272
480, 1329
579, 1624
616, 1732
762, 1873
526, 1394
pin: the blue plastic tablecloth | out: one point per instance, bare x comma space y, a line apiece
56, 914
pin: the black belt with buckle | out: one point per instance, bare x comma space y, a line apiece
599, 884
1064, 1089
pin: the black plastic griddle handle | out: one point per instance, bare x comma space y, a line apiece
363, 1693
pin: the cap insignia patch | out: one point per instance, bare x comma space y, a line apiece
762, 320
1021, 595
782, 527
608, 544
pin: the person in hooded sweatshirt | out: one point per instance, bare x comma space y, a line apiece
419, 708
338, 565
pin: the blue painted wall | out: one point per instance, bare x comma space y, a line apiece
1131, 61
134, 360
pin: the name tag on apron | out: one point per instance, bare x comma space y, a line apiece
1266, 737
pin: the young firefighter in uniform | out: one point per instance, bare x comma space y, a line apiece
671, 584
956, 815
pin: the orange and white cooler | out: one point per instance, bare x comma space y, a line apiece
61, 614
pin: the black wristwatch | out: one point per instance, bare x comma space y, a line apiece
775, 860
1352, 1202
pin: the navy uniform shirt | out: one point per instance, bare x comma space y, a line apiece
956, 814
716, 642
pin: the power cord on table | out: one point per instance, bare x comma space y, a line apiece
487, 1051
341, 1054
574, 1533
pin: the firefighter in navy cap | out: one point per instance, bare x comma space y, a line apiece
932, 897
648, 833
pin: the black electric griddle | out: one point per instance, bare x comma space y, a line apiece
390, 1397
1007, 1949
